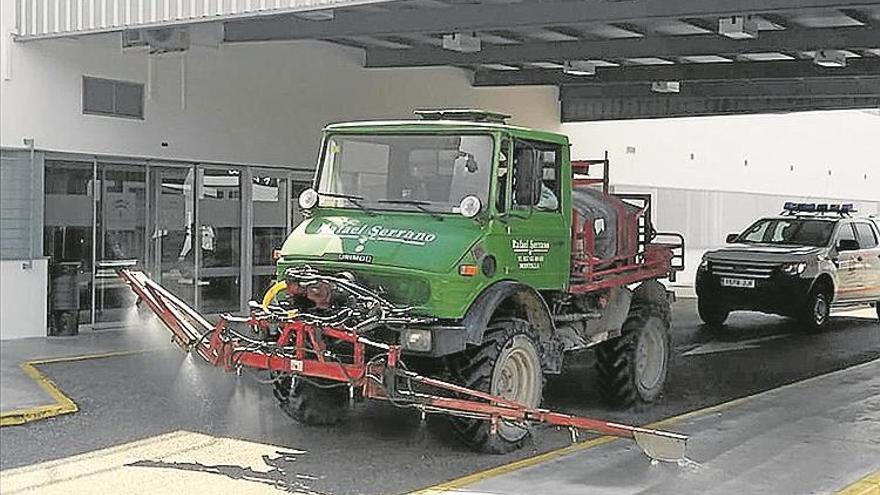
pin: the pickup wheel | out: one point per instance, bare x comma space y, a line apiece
311, 404
633, 367
712, 313
815, 313
506, 364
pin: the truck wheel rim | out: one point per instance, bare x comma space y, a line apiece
651, 357
517, 377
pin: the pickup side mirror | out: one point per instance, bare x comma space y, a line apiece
731, 238
848, 245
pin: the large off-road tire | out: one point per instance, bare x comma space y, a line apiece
309, 404
633, 367
712, 313
507, 364
816, 311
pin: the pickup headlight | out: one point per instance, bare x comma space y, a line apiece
794, 269
704, 265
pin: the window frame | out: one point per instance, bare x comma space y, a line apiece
116, 83
845, 225
541, 146
871, 229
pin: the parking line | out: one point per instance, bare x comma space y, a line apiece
870, 482
869, 485
63, 404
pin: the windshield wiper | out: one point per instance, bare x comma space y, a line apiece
355, 200
414, 202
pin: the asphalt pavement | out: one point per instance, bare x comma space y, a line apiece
382, 449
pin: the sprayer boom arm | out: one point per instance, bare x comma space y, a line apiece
374, 369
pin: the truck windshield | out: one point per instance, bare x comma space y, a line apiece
405, 172
793, 231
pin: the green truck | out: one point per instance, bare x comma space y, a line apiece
506, 254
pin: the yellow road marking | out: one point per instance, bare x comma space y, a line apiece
564, 451
63, 404
463, 481
869, 485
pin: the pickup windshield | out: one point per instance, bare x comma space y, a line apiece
793, 231
405, 172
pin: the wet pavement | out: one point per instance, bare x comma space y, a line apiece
381, 449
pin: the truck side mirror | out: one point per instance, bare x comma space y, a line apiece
848, 245
525, 176
731, 238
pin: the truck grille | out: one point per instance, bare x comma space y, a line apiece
738, 269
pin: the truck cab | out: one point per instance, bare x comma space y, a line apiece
800, 264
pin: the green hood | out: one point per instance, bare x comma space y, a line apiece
401, 240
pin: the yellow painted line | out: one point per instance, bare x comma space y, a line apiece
564, 451
869, 485
470, 479
63, 404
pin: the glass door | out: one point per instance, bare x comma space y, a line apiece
68, 234
121, 236
219, 240
172, 214
269, 194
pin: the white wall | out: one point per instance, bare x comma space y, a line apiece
259, 103
23, 298
844, 142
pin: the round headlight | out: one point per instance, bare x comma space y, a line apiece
470, 206
308, 199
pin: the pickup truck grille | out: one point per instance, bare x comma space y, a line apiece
738, 269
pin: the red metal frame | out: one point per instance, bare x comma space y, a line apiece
301, 350
654, 260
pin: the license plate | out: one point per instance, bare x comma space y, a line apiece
738, 282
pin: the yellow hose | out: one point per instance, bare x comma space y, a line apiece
271, 293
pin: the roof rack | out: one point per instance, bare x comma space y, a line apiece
466, 114
846, 209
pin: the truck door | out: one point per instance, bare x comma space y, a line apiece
536, 228
847, 262
869, 257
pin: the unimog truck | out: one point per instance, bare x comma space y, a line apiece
475, 252
489, 230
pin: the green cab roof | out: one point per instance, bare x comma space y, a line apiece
443, 126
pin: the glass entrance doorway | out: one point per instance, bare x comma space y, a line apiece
171, 222
205, 232
121, 223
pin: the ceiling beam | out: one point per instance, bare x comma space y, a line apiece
800, 39
681, 72
483, 17
652, 107
779, 88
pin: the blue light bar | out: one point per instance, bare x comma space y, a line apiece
793, 208
807, 207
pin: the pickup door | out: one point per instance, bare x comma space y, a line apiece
869, 258
849, 265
